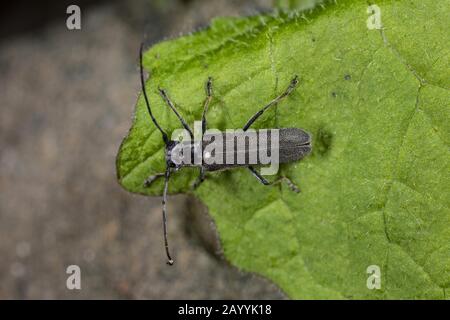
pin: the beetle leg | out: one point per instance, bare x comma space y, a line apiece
289, 182
200, 178
206, 104
208, 99
261, 179
167, 100
148, 182
258, 176
287, 92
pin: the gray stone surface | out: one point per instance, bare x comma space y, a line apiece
66, 103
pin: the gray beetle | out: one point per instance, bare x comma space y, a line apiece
293, 144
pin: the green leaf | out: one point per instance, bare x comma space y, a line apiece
374, 190
296, 4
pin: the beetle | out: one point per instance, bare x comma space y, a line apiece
293, 144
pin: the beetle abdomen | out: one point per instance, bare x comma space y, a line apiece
294, 143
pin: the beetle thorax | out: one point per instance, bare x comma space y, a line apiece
184, 153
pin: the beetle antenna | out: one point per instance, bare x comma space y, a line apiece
164, 135
166, 242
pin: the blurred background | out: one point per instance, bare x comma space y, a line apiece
67, 99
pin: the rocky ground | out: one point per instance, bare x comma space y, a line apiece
66, 101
